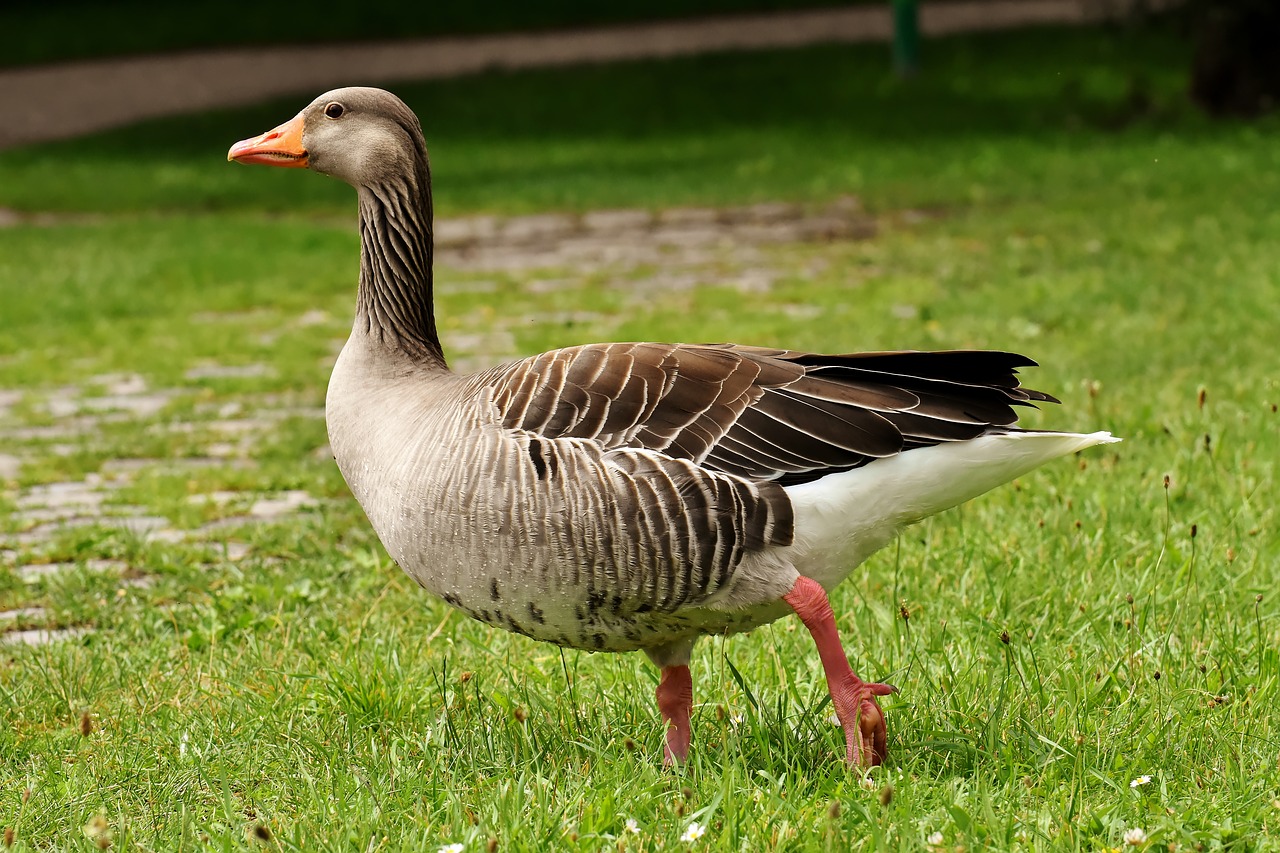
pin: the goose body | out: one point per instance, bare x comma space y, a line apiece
635, 496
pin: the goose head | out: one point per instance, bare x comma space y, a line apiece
357, 134
371, 140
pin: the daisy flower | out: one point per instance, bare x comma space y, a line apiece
693, 832
452, 848
1140, 781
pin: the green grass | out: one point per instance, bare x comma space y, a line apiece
309, 693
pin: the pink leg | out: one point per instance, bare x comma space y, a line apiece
865, 734
675, 700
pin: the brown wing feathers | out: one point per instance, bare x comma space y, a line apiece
759, 413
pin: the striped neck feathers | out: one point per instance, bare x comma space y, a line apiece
394, 304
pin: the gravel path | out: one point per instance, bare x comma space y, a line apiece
54, 102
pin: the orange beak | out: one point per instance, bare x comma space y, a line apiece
279, 147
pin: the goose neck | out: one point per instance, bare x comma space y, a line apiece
395, 301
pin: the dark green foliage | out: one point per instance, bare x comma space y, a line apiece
1237, 64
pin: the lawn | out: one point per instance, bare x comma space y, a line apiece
266, 680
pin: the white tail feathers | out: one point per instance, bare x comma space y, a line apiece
867, 506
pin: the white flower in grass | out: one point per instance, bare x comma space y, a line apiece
934, 839
455, 847
632, 827
1140, 781
868, 783
1135, 837
693, 832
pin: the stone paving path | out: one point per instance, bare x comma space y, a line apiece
54, 102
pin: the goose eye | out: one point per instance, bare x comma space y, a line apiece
333, 110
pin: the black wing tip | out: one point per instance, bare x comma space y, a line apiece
1034, 397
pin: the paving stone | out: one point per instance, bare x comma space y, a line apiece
23, 613
523, 229
605, 249
218, 498
684, 216
803, 312
10, 466
41, 636
476, 286
9, 397
229, 371
240, 318
312, 317
61, 407
491, 342
754, 281
770, 211
695, 234
72, 429
617, 220
119, 467
119, 384
786, 231
281, 412
465, 230
236, 551
550, 285
33, 572
835, 228
77, 494
140, 524
42, 515
237, 426
271, 509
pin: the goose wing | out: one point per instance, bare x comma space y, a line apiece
761, 414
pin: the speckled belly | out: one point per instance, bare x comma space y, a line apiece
560, 581
554, 547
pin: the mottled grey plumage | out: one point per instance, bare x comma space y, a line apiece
633, 495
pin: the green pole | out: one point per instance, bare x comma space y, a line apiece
906, 37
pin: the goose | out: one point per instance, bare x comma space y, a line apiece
635, 496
